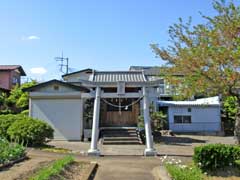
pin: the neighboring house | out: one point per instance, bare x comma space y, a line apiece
10, 75
118, 98
201, 115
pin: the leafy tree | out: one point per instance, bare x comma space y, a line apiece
158, 119
229, 113
208, 55
17, 101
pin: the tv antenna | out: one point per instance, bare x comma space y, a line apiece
63, 63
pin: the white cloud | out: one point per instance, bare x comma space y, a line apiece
32, 37
38, 70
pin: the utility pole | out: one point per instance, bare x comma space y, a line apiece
63, 62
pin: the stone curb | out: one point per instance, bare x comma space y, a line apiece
91, 171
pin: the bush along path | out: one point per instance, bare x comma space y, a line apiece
25, 130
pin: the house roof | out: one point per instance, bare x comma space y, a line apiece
76, 72
11, 68
152, 70
116, 76
40, 85
211, 101
148, 70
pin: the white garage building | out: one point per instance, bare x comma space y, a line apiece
60, 105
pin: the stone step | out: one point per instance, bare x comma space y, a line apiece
120, 142
119, 136
120, 139
119, 131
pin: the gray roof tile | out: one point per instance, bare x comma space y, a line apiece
115, 76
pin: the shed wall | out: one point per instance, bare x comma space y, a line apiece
203, 119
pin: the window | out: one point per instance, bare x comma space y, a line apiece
56, 87
15, 80
182, 119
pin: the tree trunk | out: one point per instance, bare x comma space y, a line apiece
237, 124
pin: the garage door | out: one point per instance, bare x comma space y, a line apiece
64, 115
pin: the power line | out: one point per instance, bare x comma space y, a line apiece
63, 63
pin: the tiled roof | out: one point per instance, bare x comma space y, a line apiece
12, 67
116, 76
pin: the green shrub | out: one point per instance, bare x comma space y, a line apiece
214, 156
10, 151
180, 172
54, 169
5, 122
25, 112
30, 131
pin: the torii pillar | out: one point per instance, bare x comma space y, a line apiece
149, 151
94, 151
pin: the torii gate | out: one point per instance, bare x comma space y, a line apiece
149, 150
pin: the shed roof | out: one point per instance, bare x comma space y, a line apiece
116, 76
12, 67
211, 101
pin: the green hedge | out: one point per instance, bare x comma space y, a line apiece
23, 129
5, 122
30, 131
214, 156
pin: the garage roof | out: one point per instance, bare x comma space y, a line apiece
44, 84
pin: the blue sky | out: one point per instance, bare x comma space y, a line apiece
104, 35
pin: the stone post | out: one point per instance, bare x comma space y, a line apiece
94, 151
149, 151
